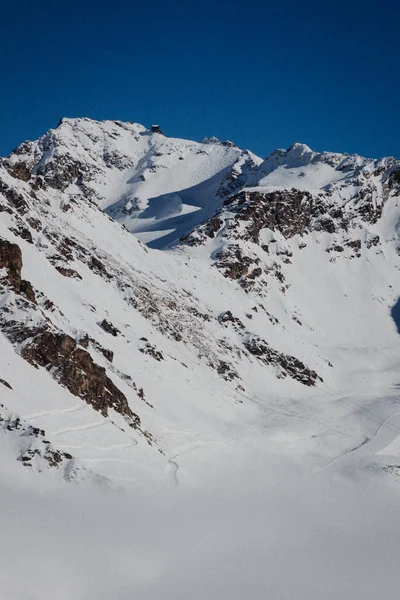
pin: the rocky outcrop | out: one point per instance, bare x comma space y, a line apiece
288, 211
288, 366
234, 263
11, 263
150, 349
67, 272
75, 369
21, 171
87, 341
109, 328
63, 170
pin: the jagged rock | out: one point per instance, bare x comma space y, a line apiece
234, 263
152, 351
6, 384
60, 172
97, 267
24, 233
372, 241
32, 450
86, 340
11, 260
21, 171
226, 371
66, 272
35, 223
74, 368
14, 198
109, 328
211, 228
327, 224
356, 244
27, 290
289, 365
227, 317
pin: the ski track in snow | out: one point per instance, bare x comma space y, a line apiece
124, 446
382, 438
174, 470
79, 428
51, 413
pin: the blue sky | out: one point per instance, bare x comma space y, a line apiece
263, 74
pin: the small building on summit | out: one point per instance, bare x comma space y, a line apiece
156, 129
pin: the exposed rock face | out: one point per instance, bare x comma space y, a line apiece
234, 263
243, 217
85, 341
109, 328
291, 212
74, 368
151, 350
27, 290
227, 318
11, 261
60, 172
287, 211
29, 450
15, 199
21, 171
289, 365
66, 272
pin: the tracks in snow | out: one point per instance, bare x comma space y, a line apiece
54, 413
383, 437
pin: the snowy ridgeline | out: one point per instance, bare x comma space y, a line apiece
247, 373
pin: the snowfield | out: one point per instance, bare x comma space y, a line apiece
199, 384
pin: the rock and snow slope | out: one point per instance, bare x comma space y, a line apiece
253, 328
158, 187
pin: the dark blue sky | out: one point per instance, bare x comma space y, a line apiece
263, 74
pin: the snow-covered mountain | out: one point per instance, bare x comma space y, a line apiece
158, 187
169, 304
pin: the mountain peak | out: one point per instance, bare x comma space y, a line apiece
299, 149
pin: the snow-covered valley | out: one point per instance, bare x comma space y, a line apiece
200, 369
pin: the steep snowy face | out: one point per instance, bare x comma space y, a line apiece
158, 187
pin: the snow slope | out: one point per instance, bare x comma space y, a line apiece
239, 386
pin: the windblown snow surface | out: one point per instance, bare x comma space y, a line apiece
245, 477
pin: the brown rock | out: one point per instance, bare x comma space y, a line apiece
21, 171
109, 327
68, 272
74, 368
27, 289
11, 259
